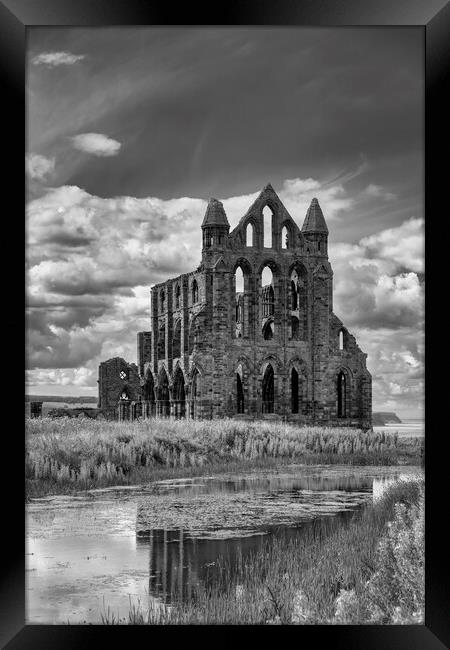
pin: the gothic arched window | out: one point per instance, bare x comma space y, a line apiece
268, 330
176, 342
268, 390
194, 291
239, 394
341, 395
294, 391
267, 219
295, 327
162, 341
249, 235
149, 388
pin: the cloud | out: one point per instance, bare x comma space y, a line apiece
91, 263
378, 282
53, 59
96, 144
38, 167
404, 245
379, 294
396, 361
377, 191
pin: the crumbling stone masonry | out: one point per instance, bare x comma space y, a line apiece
33, 409
271, 348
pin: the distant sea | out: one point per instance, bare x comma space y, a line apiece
407, 427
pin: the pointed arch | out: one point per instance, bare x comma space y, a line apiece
195, 391
268, 330
194, 291
285, 237
193, 333
294, 391
241, 286
343, 387
161, 341
294, 293
341, 395
149, 387
163, 394
268, 216
268, 389
239, 394
295, 328
267, 302
298, 375
239, 301
177, 296
176, 341
179, 394
124, 392
250, 234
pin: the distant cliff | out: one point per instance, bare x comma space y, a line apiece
381, 418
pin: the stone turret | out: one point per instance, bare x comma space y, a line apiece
315, 230
215, 228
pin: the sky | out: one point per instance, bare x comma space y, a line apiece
131, 130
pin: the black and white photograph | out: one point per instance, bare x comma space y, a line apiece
224, 408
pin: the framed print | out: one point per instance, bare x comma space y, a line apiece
225, 247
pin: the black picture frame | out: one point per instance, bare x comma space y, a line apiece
433, 17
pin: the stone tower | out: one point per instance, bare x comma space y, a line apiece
251, 332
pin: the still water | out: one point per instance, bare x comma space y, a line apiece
113, 547
409, 428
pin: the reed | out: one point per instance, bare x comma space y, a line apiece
66, 454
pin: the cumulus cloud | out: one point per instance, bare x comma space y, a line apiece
97, 144
53, 59
92, 261
378, 282
38, 167
403, 246
379, 295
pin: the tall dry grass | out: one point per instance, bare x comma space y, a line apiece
65, 454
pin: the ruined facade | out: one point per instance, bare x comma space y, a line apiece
250, 333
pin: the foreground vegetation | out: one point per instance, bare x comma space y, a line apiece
65, 455
370, 570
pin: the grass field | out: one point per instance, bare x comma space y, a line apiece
66, 455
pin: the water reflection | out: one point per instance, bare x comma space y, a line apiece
179, 564
242, 515
161, 541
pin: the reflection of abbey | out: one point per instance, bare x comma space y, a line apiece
250, 333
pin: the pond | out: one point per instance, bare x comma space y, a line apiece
116, 546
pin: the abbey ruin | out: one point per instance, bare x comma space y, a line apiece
250, 334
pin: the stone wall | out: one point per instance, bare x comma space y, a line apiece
116, 377
33, 409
